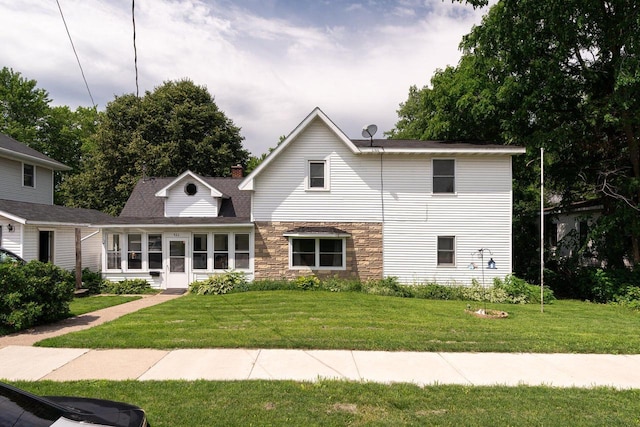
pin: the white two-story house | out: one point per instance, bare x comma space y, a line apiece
324, 204
30, 224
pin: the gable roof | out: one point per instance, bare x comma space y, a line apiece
145, 207
317, 113
366, 146
41, 214
16, 150
214, 192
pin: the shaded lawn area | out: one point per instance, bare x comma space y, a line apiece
337, 403
325, 320
97, 302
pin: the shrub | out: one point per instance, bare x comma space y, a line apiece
389, 286
34, 293
220, 284
91, 280
307, 283
629, 298
272, 285
128, 286
521, 292
337, 284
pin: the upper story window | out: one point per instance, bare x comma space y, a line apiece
28, 175
444, 176
317, 179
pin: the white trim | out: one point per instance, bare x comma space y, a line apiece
455, 178
326, 175
21, 157
33, 177
317, 239
446, 151
163, 192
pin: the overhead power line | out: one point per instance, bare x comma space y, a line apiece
135, 51
76, 54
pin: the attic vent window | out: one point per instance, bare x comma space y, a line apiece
191, 189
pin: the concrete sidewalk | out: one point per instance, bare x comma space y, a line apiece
558, 370
20, 361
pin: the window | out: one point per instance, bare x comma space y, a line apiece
200, 251
220, 251
28, 175
444, 176
134, 251
242, 251
317, 178
154, 254
114, 256
191, 189
317, 253
583, 230
446, 250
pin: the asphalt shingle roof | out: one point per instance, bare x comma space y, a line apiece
144, 207
12, 146
42, 213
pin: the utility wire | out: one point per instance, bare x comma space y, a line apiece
76, 54
135, 51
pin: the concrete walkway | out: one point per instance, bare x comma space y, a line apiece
20, 361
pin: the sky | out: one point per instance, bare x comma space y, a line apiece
268, 63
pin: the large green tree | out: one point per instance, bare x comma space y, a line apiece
58, 132
176, 127
563, 75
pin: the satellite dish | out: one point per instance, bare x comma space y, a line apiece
369, 131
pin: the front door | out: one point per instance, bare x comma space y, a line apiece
178, 268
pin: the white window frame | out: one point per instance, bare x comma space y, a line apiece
317, 253
194, 252
434, 176
438, 250
33, 177
327, 180
119, 251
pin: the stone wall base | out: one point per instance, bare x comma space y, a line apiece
363, 257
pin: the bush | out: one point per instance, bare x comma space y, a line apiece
629, 298
128, 286
307, 283
220, 284
272, 285
521, 292
91, 280
34, 293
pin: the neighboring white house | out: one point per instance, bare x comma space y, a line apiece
324, 204
567, 230
30, 224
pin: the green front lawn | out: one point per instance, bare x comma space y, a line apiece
335, 403
325, 320
97, 302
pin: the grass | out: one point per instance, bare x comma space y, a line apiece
336, 403
325, 320
97, 302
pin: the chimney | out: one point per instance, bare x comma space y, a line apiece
236, 171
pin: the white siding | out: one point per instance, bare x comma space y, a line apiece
92, 249
11, 187
11, 241
478, 215
180, 204
280, 193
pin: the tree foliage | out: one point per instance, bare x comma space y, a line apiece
176, 127
27, 116
560, 75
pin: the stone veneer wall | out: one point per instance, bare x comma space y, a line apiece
363, 258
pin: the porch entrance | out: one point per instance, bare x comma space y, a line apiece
178, 268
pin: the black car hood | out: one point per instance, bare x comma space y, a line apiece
100, 411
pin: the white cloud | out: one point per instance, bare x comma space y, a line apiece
266, 73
